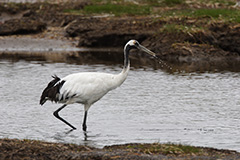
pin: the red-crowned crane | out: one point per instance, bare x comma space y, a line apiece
87, 87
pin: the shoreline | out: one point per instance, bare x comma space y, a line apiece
25, 149
53, 46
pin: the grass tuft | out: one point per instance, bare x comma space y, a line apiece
228, 15
215, 12
146, 7
117, 10
166, 149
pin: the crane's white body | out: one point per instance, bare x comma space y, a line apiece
89, 87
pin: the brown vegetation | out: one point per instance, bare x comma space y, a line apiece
30, 149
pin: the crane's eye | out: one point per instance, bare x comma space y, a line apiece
136, 43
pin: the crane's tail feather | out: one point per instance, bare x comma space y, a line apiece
52, 90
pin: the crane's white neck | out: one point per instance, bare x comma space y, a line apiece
121, 77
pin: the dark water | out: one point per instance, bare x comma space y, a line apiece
152, 105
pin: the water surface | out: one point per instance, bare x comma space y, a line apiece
200, 109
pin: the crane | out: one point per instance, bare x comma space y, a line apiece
87, 87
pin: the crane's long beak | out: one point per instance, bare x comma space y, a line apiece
146, 50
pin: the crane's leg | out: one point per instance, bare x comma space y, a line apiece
84, 126
60, 118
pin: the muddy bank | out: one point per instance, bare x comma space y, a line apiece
31, 149
179, 39
220, 41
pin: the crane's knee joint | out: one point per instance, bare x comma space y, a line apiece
84, 127
55, 114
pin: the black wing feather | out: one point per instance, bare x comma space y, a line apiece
52, 90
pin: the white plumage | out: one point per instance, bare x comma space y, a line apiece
87, 87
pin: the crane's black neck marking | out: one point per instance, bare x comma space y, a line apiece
126, 54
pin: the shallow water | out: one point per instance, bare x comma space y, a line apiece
200, 109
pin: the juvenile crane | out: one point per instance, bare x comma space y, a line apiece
87, 87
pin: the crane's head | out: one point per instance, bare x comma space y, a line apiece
133, 44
